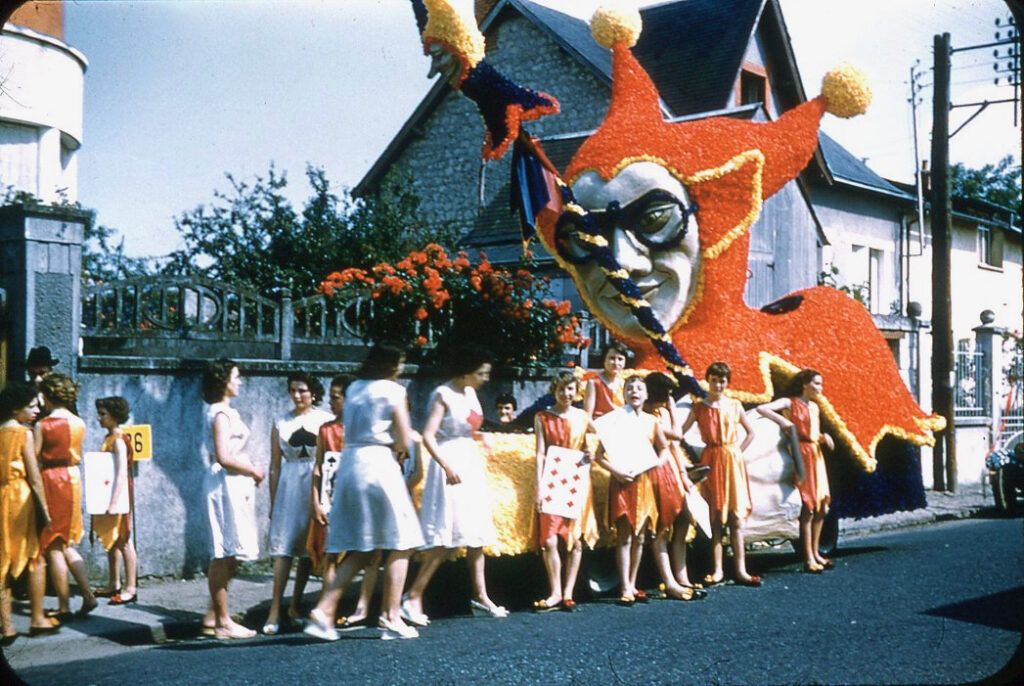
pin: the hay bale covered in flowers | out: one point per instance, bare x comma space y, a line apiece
432, 303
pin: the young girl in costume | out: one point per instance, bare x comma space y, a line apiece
292, 454
331, 438
58, 440
660, 404
22, 509
719, 417
798, 414
456, 505
633, 501
371, 510
564, 426
604, 390
114, 529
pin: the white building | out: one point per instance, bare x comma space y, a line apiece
42, 82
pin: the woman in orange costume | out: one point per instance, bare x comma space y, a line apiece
719, 418
799, 415
22, 500
604, 391
564, 426
661, 405
114, 528
58, 438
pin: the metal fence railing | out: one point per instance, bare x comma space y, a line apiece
970, 393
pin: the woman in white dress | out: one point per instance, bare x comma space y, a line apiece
456, 508
371, 509
292, 456
230, 488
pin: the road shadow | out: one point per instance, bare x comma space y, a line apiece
1003, 610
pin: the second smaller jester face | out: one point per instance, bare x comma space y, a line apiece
649, 223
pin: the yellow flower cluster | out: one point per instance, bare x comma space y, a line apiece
612, 24
447, 26
846, 91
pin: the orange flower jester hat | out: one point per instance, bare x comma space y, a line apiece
729, 167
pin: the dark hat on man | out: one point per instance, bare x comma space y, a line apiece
41, 357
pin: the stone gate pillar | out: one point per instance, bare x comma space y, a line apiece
40, 272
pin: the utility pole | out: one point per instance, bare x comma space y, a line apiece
944, 465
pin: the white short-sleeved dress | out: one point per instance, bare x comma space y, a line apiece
457, 515
371, 507
289, 521
230, 498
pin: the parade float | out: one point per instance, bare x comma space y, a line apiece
682, 196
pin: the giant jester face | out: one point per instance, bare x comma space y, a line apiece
648, 220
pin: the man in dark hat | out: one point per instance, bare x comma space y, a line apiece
40, 364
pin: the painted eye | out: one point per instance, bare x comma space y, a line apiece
655, 217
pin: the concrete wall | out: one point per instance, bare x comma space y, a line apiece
171, 521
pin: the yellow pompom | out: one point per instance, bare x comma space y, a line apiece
613, 24
846, 91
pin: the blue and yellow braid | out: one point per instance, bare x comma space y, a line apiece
589, 234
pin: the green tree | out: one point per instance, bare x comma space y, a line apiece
998, 183
252, 236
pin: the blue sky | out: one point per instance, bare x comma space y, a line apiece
180, 92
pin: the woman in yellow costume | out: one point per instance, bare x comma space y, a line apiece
22, 509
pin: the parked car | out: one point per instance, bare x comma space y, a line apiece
1006, 472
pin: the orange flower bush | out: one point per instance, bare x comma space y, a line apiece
432, 303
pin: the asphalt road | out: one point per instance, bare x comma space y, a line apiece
939, 604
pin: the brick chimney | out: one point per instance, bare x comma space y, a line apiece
44, 17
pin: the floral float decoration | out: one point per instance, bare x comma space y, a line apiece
429, 298
720, 172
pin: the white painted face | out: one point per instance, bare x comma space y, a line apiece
654, 240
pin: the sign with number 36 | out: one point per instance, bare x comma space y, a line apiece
141, 437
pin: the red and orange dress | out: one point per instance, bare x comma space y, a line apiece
814, 491
637, 501
59, 455
19, 537
332, 438
666, 478
608, 396
116, 529
726, 488
568, 432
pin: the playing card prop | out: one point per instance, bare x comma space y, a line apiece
564, 482
626, 445
98, 471
328, 470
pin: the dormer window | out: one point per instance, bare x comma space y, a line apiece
752, 86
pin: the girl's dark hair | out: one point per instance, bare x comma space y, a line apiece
216, 375
468, 359
802, 378
659, 388
342, 381
506, 399
116, 406
719, 369
381, 362
619, 347
15, 396
59, 389
316, 388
